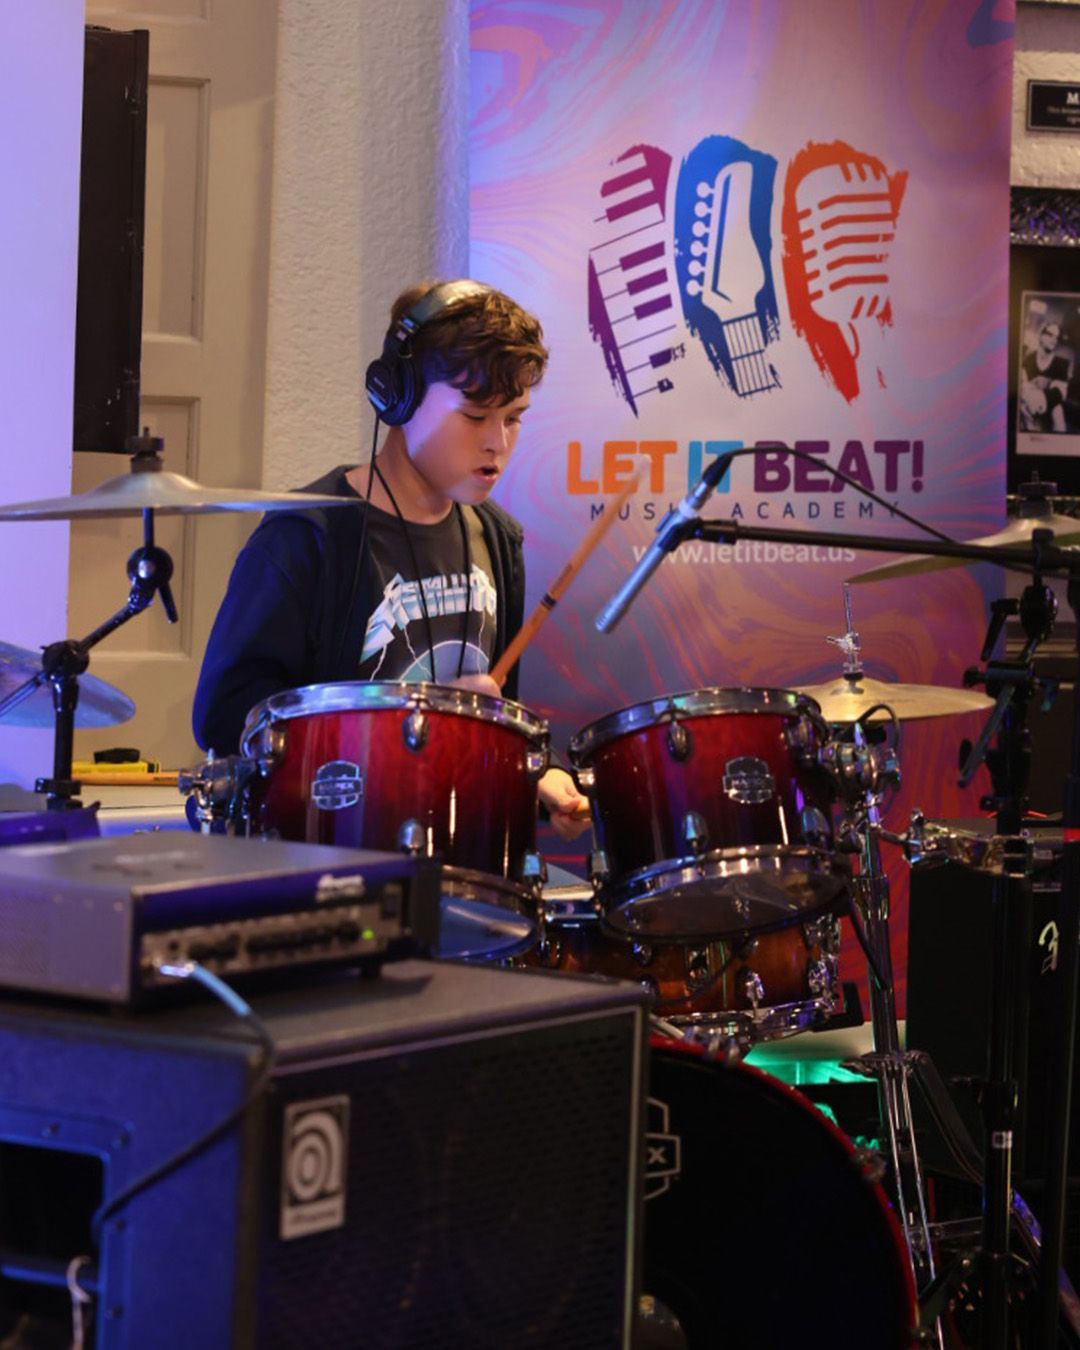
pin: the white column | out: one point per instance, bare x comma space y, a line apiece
41, 71
370, 193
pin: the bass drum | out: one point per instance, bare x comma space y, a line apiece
762, 1230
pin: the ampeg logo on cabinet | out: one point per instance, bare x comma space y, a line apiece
313, 1166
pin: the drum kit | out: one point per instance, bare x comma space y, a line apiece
734, 831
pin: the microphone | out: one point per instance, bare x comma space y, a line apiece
669, 534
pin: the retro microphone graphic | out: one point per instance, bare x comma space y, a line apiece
669, 534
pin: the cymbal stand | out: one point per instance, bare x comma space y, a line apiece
1009, 765
863, 771
149, 571
989, 1261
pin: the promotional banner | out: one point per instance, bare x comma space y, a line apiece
779, 224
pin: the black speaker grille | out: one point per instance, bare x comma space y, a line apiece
486, 1199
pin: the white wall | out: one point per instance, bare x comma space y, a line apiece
370, 193
1047, 48
41, 62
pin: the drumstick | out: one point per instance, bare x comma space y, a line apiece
557, 589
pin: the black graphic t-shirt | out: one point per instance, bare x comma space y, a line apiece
395, 645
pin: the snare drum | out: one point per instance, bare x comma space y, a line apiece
414, 767
711, 813
760, 1224
753, 986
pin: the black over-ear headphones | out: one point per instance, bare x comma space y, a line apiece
394, 384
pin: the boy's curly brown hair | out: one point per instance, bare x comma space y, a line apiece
484, 344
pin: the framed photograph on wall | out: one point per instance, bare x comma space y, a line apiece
1044, 339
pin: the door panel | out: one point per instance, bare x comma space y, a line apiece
209, 142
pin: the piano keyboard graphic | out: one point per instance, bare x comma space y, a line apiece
726, 274
631, 310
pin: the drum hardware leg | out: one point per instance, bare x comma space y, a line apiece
990, 1267
698, 975
599, 869
642, 953
669, 1029
548, 948
967, 1155
752, 987
534, 870
887, 1062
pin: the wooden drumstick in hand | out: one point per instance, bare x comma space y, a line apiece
557, 589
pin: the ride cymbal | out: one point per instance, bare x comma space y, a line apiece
848, 700
165, 493
100, 704
1018, 532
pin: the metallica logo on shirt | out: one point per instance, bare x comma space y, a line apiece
395, 643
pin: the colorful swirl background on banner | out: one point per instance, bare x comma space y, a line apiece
744, 223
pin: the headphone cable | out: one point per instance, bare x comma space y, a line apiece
419, 580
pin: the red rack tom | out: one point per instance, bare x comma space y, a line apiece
711, 813
418, 767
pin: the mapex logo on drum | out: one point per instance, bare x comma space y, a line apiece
748, 781
663, 1151
336, 785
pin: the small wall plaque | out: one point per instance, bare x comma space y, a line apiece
1053, 105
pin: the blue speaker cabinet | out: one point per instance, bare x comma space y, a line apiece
445, 1156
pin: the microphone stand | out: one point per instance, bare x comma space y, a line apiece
149, 571
1042, 556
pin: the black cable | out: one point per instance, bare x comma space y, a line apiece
420, 581
357, 570
864, 722
232, 1000
467, 551
775, 446
860, 933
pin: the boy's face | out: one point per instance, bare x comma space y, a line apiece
461, 447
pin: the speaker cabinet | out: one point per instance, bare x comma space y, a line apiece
446, 1156
950, 993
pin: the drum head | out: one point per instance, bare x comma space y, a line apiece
484, 917
371, 696
691, 703
760, 1228
468, 931
726, 892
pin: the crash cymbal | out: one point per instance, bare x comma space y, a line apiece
1018, 531
846, 700
100, 704
165, 493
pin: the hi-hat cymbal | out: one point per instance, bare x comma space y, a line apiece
165, 493
846, 700
100, 704
1018, 531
